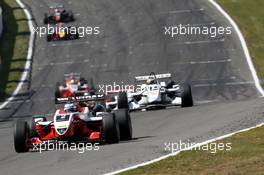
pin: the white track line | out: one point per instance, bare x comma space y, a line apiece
198, 24
62, 44
186, 42
203, 41
204, 62
195, 42
244, 46
29, 55
180, 11
225, 84
205, 101
257, 84
177, 152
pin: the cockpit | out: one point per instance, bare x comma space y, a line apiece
62, 118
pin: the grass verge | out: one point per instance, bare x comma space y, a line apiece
249, 15
13, 46
245, 157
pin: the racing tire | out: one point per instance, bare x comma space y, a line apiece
49, 37
21, 135
76, 36
57, 91
122, 101
124, 121
71, 18
110, 129
187, 100
46, 20
90, 83
32, 125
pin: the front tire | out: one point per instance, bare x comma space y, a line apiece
110, 128
124, 122
187, 100
57, 92
21, 134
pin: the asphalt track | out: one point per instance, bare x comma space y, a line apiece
131, 43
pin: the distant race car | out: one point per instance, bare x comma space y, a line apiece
74, 84
58, 14
156, 95
82, 120
63, 33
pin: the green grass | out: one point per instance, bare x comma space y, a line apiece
249, 15
13, 46
245, 157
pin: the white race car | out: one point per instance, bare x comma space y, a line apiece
157, 95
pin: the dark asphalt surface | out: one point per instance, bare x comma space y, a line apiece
131, 43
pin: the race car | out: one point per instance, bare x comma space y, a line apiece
81, 120
58, 14
74, 84
154, 94
61, 33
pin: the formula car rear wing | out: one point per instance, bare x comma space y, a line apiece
72, 75
53, 6
85, 98
158, 76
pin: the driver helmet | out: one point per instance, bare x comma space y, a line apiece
70, 107
72, 81
61, 34
150, 80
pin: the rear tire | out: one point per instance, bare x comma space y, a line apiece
57, 92
124, 122
76, 36
71, 18
187, 100
90, 83
110, 128
46, 20
122, 102
49, 37
21, 135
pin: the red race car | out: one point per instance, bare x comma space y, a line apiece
58, 14
62, 33
74, 85
80, 120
